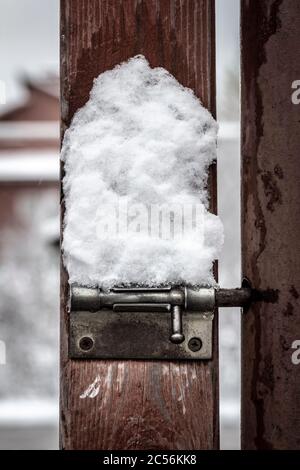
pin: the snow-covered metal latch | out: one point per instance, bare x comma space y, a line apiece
145, 323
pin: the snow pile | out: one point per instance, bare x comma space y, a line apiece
136, 161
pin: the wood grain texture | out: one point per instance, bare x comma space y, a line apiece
270, 223
136, 404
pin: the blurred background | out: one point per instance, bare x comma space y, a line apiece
29, 221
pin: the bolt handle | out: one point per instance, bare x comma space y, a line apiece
177, 336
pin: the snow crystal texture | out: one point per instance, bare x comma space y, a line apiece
140, 147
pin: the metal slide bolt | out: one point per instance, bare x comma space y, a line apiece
119, 299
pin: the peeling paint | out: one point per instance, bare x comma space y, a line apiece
93, 389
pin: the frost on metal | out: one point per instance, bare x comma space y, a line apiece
136, 166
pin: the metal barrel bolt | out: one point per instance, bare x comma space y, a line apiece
129, 304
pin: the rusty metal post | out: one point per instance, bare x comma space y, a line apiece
270, 33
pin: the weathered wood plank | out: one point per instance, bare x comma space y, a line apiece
136, 405
270, 223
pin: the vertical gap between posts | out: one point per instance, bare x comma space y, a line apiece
228, 102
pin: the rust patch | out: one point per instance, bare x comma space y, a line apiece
285, 345
294, 292
288, 312
267, 375
278, 171
272, 191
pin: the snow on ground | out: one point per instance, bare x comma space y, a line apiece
136, 160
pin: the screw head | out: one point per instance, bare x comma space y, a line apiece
195, 344
86, 343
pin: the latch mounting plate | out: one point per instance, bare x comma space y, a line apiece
108, 334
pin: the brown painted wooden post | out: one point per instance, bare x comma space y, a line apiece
150, 404
270, 223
